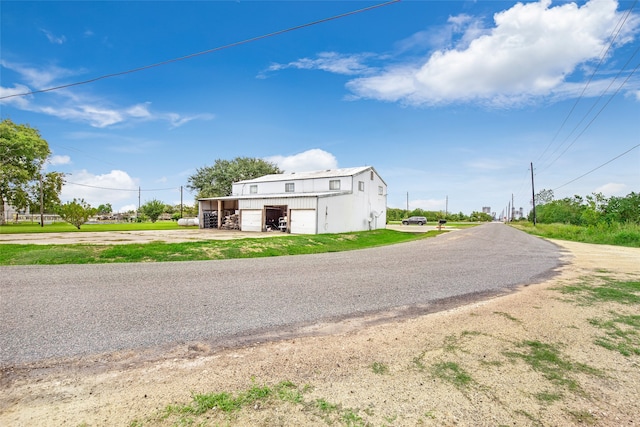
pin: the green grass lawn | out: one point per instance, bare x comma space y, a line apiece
14, 254
64, 227
614, 234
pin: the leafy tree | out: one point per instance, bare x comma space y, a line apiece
544, 196
22, 153
153, 209
105, 209
76, 212
217, 180
566, 211
480, 216
48, 191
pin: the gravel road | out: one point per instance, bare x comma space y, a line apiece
77, 310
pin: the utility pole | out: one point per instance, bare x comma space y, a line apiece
41, 202
533, 196
513, 207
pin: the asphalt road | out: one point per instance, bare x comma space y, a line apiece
79, 310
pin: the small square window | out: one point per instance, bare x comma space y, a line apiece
361, 185
334, 184
289, 187
380, 190
253, 189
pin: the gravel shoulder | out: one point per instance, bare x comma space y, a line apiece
467, 366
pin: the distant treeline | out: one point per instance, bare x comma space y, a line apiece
395, 214
591, 210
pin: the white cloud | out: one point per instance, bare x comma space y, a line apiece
18, 101
612, 189
328, 61
176, 120
310, 160
139, 111
127, 208
96, 116
53, 38
40, 78
75, 105
56, 160
112, 187
529, 53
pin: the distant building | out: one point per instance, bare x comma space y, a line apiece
486, 209
12, 214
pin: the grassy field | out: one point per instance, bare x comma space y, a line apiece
64, 227
13, 254
615, 234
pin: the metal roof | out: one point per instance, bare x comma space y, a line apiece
328, 173
278, 195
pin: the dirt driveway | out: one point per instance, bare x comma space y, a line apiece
529, 358
125, 237
147, 236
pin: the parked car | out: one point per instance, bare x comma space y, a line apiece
420, 220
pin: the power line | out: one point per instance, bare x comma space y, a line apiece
121, 189
598, 113
595, 169
614, 36
204, 52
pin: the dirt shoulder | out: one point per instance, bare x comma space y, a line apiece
527, 358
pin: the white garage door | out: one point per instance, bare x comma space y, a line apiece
303, 221
251, 220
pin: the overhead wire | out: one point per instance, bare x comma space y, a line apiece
121, 189
617, 32
596, 168
614, 35
596, 103
204, 52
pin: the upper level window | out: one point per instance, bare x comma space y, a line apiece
253, 189
361, 185
334, 184
289, 187
380, 190
371, 175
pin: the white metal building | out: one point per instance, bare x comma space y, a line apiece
329, 201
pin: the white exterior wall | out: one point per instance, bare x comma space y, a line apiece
303, 221
316, 185
351, 212
251, 220
291, 202
334, 214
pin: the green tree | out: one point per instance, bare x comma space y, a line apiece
22, 154
153, 209
105, 209
566, 211
47, 190
544, 196
76, 212
217, 180
480, 216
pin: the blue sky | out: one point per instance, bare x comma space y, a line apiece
450, 101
